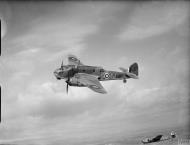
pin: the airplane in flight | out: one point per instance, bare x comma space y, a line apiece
80, 75
159, 138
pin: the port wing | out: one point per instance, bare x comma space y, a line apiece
91, 82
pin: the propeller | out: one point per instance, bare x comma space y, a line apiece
70, 73
67, 87
68, 80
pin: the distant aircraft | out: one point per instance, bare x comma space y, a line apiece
80, 75
159, 138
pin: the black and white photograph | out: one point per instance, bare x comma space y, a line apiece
95, 72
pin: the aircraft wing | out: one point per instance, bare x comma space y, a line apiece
73, 60
157, 138
91, 82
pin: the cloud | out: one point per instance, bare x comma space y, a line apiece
54, 37
49, 100
36, 107
154, 18
43, 106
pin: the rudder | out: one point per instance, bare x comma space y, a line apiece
134, 69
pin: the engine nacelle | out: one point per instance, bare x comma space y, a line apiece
75, 82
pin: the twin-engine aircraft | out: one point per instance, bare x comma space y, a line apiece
80, 75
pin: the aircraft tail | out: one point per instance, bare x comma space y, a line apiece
132, 72
134, 69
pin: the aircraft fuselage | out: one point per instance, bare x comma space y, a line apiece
101, 73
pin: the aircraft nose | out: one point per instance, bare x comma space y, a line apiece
56, 74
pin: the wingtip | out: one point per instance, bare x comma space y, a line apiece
104, 91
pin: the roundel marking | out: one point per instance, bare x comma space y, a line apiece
106, 75
72, 58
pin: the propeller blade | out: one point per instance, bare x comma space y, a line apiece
67, 88
62, 65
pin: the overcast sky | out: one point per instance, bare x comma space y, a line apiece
37, 36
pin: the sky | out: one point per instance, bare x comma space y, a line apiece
37, 36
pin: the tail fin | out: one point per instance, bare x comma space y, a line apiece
134, 69
132, 72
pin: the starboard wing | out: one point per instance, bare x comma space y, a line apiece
73, 60
91, 82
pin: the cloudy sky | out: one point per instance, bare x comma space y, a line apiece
37, 36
